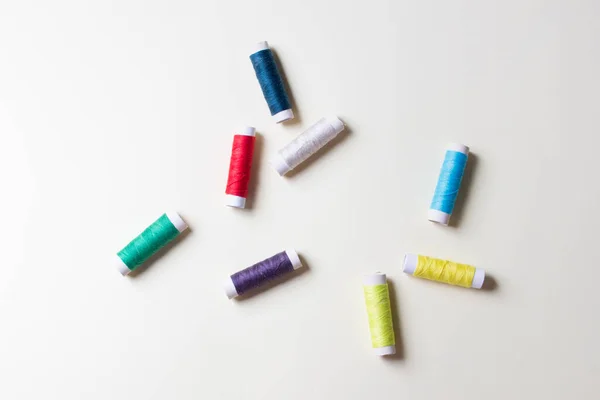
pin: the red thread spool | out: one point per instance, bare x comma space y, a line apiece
239, 168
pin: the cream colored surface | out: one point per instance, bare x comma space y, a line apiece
111, 113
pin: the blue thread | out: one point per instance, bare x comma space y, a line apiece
449, 181
270, 81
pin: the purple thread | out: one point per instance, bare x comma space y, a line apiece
262, 272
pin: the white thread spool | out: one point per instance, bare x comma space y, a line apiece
306, 144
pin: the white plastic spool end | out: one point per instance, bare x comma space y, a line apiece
410, 263
478, 279
230, 289
177, 221
384, 351
293, 256
283, 116
235, 201
438, 216
247, 131
337, 124
461, 148
121, 266
260, 46
375, 279
280, 165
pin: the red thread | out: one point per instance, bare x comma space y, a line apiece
240, 164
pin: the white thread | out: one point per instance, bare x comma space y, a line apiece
306, 144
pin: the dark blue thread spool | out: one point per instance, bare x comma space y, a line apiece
271, 83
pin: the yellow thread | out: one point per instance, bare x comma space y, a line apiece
445, 271
377, 299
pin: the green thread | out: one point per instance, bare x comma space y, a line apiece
377, 299
147, 243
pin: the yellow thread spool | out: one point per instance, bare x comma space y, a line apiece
444, 271
379, 310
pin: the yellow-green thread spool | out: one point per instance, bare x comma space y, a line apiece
379, 310
444, 271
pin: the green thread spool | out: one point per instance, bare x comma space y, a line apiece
379, 310
147, 243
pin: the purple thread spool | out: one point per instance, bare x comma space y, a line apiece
259, 273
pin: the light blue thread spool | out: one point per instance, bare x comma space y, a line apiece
448, 183
271, 82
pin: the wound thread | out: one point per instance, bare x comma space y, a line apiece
306, 144
444, 271
150, 241
240, 166
271, 83
448, 183
379, 311
256, 275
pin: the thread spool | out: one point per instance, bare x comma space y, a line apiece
240, 165
306, 144
150, 241
448, 183
379, 310
271, 82
261, 272
444, 271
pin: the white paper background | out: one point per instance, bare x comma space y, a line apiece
114, 112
